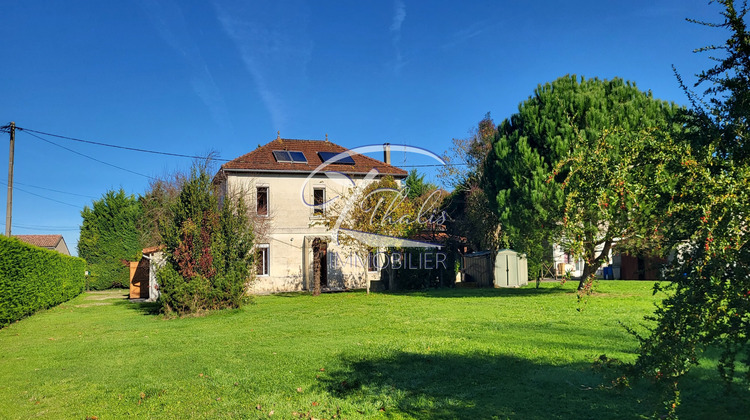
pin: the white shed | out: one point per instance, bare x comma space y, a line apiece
511, 269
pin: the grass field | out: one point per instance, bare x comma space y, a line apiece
521, 353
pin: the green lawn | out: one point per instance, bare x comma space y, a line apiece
521, 353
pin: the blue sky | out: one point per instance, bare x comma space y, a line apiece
193, 77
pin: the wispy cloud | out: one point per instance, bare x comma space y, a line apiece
472, 31
399, 15
274, 48
169, 22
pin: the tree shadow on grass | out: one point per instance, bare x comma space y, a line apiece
291, 294
482, 386
703, 383
144, 308
488, 292
448, 386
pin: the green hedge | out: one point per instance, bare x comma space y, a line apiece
104, 276
33, 278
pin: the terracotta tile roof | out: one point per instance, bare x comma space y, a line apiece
438, 237
262, 159
152, 249
44, 241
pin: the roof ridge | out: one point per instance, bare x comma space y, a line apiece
262, 158
41, 240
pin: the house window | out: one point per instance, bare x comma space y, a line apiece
372, 260
263, 262
262, 201
222, 193
319, 199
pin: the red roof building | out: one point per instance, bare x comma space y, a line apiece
52, 242
291, 186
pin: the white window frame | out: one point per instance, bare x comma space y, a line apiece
319, 211
268, 200
265, 255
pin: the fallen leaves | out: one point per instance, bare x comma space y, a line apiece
304, 415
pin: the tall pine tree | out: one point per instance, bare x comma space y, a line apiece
527, 175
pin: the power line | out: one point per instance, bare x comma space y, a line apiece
134, 149
41, 227
50, 189
46, 198
49, 226
157, 152
87, 156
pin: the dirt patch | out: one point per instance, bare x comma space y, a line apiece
106, 294
86, 305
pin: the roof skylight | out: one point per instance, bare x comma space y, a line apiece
284, 156
342, 160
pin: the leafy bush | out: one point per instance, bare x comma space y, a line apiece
412, 275
412, 279
209, 256
706, 220
106, 275
33, 278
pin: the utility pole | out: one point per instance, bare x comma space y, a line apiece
9, 207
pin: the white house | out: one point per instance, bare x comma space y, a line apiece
288, 184
564, 262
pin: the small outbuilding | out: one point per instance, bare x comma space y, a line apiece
143, 285
506, 268
477, 269
511, 269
